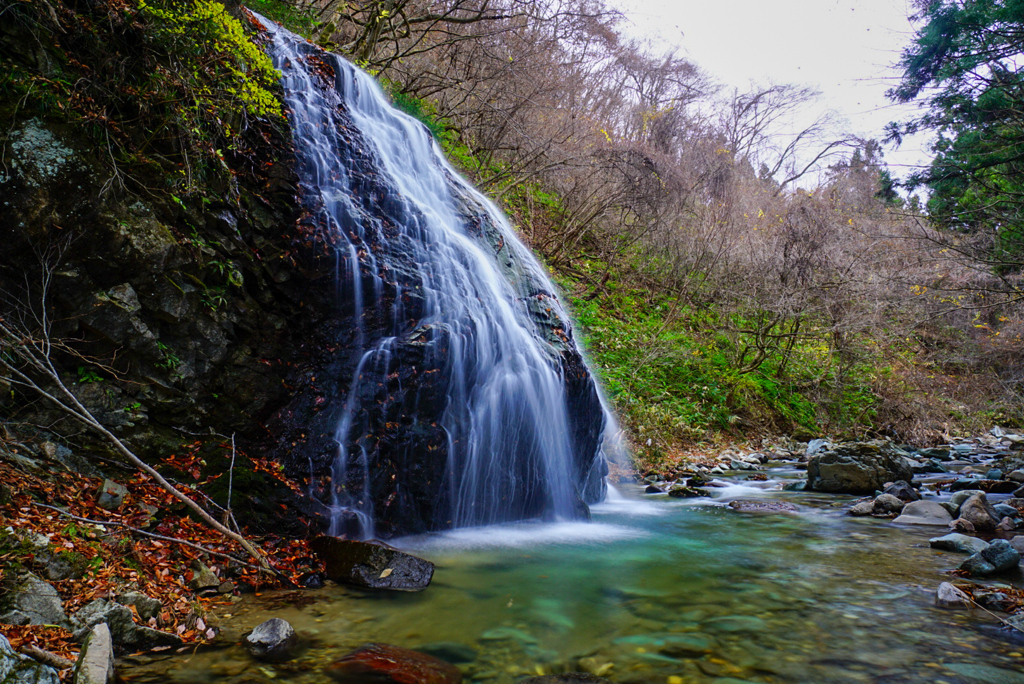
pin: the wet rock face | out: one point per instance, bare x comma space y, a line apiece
386, 664
857, 467
401, 439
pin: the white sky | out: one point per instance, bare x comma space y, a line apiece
844, 48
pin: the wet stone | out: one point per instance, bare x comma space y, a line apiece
753, 506
958, 543
273, 640
948, 596
372, 565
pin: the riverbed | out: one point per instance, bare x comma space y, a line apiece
654, 589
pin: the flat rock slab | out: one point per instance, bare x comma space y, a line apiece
924, 513
387, 664
372, 564
754, 506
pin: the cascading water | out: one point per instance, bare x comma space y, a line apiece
467, 401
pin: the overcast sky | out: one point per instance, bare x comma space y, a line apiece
844, 48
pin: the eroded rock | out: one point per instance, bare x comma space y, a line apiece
857, 467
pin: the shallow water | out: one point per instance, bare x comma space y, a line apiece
655, 590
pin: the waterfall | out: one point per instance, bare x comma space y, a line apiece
467, 401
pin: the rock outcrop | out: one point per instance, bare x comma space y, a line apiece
857, 467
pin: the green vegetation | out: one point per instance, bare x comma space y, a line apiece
168, 91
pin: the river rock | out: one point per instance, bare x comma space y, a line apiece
958, 498
887, 504
998, 557
273, 640
965, 483
994, 474
33, 602
372, 564
1006, 511
948, 596
1007, 524
1016, 476
389, 664
857, 467
754, 506
1018, 543
653, 489
862, 508
924, 512
20, 669
995, 600
959, 543
681, 492
902, 491
961, 525
95, 663
977, 511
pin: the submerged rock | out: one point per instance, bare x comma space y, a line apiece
924, 512
273, 640
567, 678
753, 506
857, 467
387, 664
372, 564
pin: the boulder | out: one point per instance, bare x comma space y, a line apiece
948, 596
902, 491
958, 498
273, 640
1016, 476
34, 602
958, 543
995, 600
887, 504
999, 556
994, 474
126, 635
19, 669
924, 513
857, 467
96, 661
977, 511
862, 508
387, 664
961, 525
372, 564
653, 489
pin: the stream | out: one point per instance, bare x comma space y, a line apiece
654, 589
